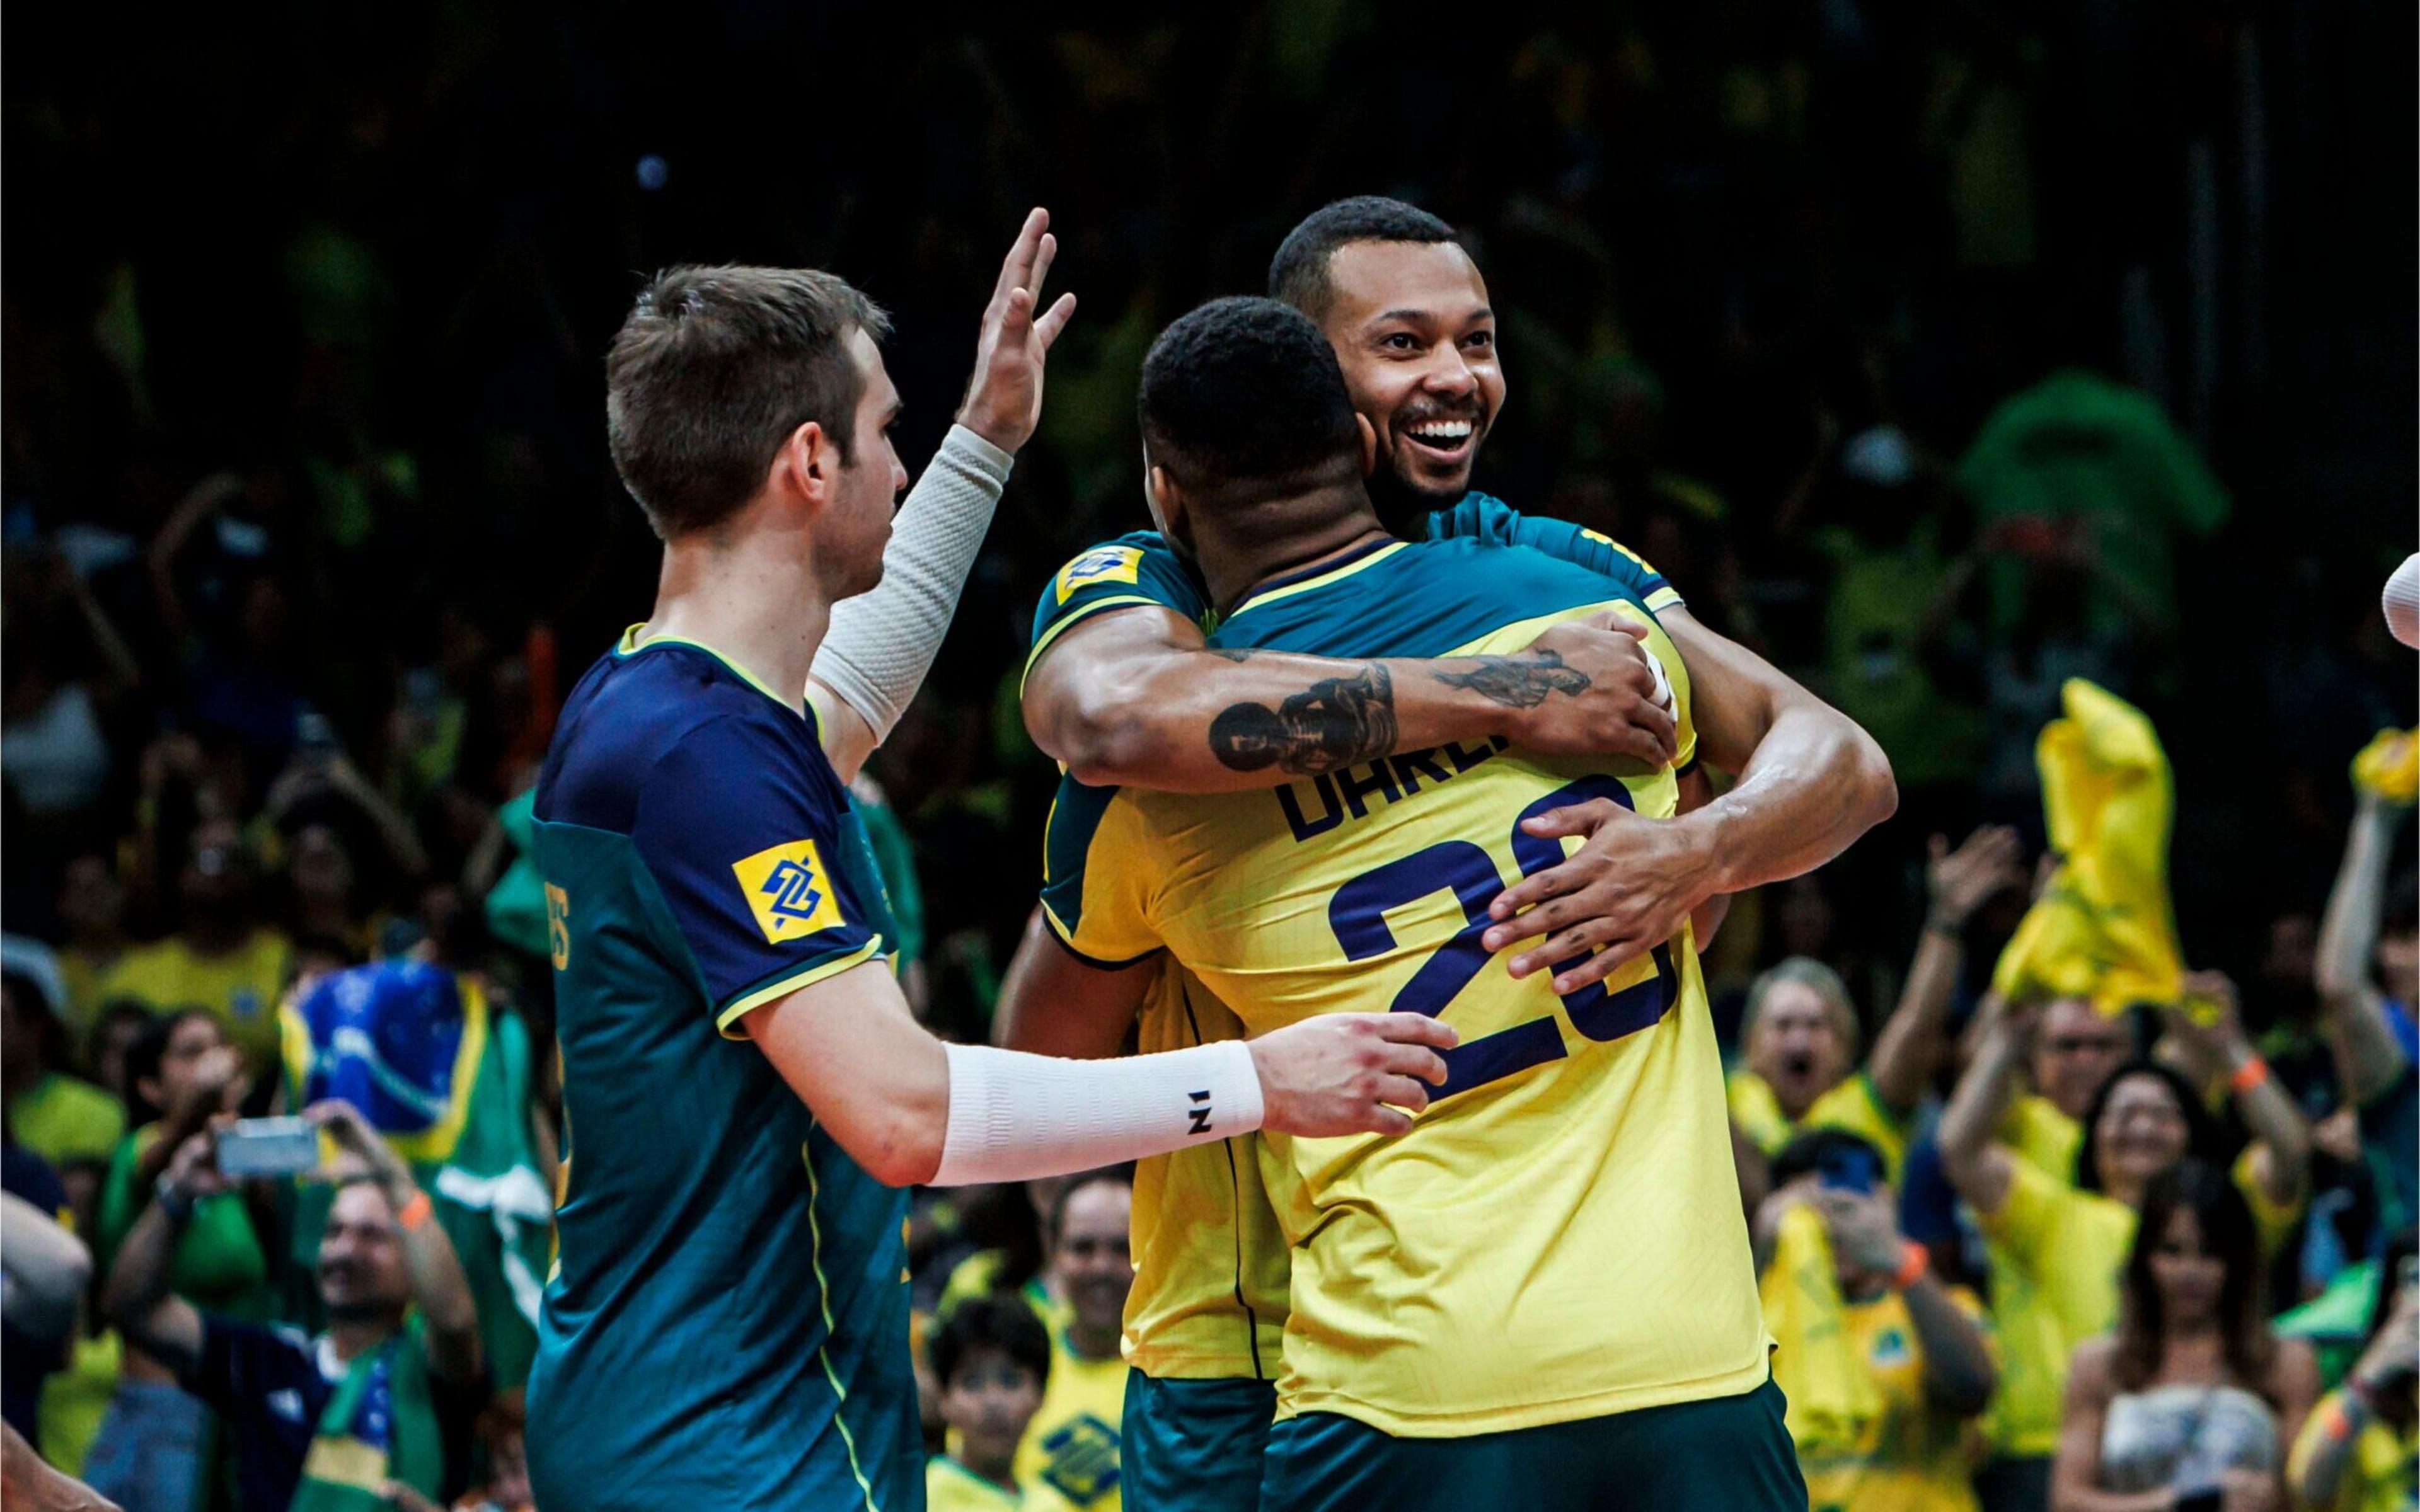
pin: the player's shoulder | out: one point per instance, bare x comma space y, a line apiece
1485, 517
673, 712
1134, 570
1412, 598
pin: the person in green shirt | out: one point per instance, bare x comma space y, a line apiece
152, 1442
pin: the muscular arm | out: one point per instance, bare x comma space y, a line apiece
1133, 698
138, 1300
1811, 781
1053, 1004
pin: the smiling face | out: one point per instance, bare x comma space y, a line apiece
2074, 1051
2142, 1131
1090, 1256
1413, 331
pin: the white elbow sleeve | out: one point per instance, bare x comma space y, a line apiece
1015, 1117
881, 643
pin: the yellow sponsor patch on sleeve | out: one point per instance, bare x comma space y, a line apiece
789, 891
1603, 539
1102, 565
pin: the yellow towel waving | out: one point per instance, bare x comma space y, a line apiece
2105, 928
2389, 766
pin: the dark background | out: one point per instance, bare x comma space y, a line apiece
368, 257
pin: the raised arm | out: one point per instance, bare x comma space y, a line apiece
2368, 1059
1958, 882
2218, 1050
1131, 697
912, 1110
1053, 1004
1976, 1164
137, 1296
880, 644
1811, 782
438, 1287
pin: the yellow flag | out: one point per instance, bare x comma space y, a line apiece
2105, 929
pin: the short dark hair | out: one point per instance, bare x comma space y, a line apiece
142, 1059
1004, 1322
714, 369
1056, 1220
1246, 389
1820, 1149
1298, 273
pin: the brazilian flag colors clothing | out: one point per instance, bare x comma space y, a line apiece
726, 1326
1195, 1446
1487, 1271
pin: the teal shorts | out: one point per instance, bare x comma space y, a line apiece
1194, 1445
1731, 1453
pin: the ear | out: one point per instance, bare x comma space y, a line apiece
1369, 442
804, 468
1165, 500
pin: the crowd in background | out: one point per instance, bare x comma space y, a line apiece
1939, 353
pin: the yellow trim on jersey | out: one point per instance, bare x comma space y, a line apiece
631, 645
1083, 612
1333, 575
1664, 597
740, 1008
823, 1351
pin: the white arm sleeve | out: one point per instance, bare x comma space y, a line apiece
881, 643
1013, 1117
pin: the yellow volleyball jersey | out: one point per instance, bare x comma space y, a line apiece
1855, 1104
1070, 1449
951, 1486
1209, 1298
2379, 1474
1559, 1237
1913, 1457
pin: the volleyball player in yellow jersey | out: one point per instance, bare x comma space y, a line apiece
1541, 1293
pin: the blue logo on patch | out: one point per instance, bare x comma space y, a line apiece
793, 889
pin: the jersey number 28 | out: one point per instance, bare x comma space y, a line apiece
1357, 915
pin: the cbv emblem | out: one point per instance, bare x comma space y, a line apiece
793, 889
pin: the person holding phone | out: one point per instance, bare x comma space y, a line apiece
1917, 1340
391, 1386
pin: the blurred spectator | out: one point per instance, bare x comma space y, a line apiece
225, 958
991, 1358
148, 1451
2193, 1395
389, 1391
1890, 1365
1072, 1444
93, 937
113, 1033
46, 1269
2357, 1451
503, 1457
2057, 1237
63, 1119
2368, 985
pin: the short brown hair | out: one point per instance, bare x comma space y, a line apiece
714, 369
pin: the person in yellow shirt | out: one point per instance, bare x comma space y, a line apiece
2359, 1451
2076, 1049
991, 1356
2057, 1245
223, 960
1071, 1447
92, 918
1800, 1030
66, 1119
1918, 1343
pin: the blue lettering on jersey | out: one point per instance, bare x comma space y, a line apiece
1393, 779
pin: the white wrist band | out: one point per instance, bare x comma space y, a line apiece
881, 643
1013, 1118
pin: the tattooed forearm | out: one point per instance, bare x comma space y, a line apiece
1334, 722
1519, 682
